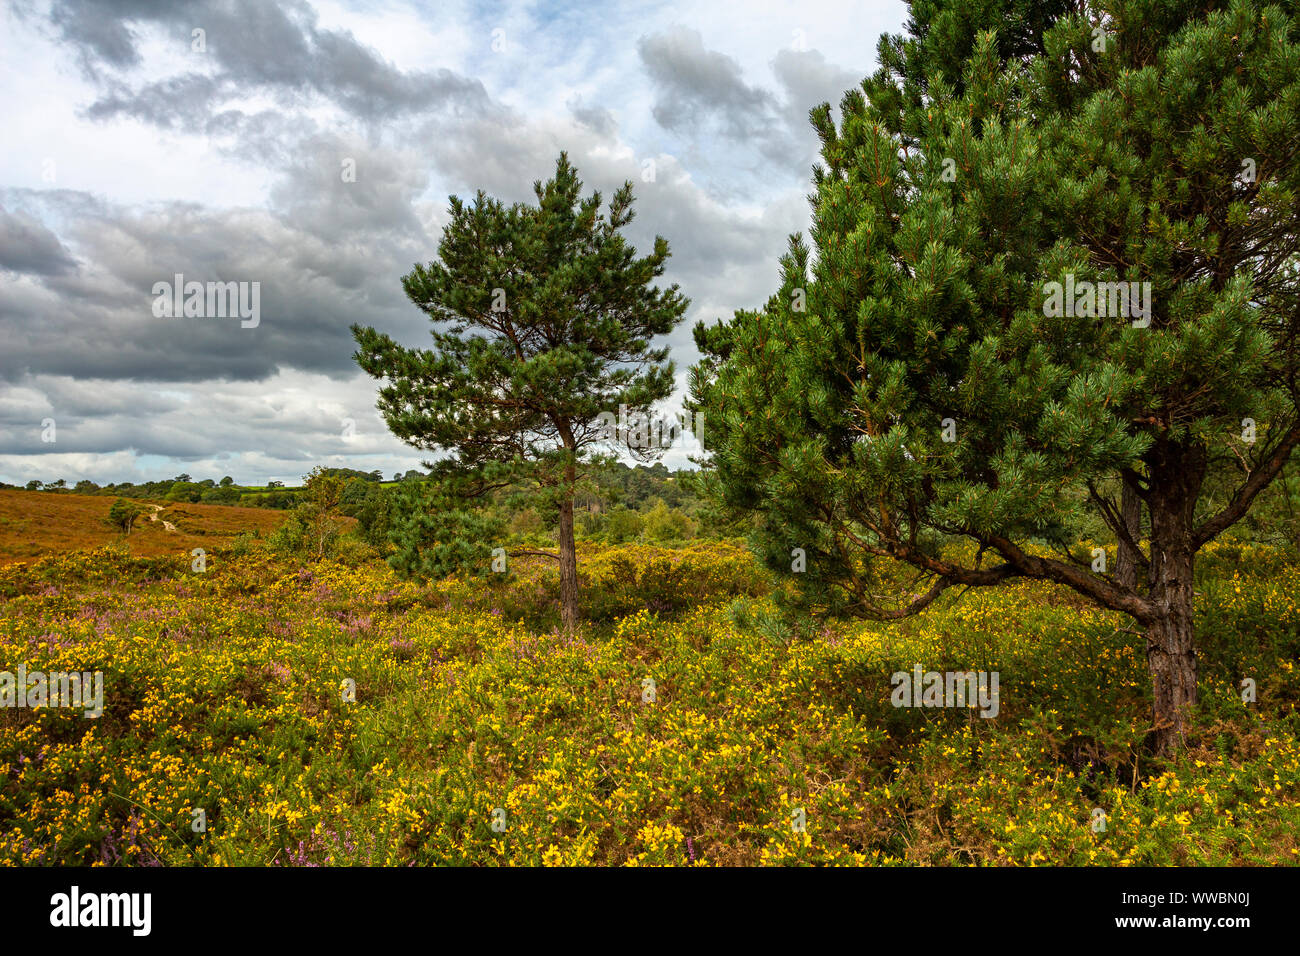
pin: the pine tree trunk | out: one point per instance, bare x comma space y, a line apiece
1126, 564
1171, 638
1171, 654
568, 556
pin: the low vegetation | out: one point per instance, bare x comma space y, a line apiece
329, 712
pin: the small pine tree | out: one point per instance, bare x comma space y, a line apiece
122, 514
543, 317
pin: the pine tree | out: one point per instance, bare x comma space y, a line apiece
1054, 278
543, 317
123, 514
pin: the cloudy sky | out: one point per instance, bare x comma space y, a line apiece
217, 139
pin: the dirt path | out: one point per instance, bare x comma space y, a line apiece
153, 516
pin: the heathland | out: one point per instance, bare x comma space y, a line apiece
276, 708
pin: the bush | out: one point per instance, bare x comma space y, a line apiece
184, 491
626, 580
621, 525
221, 496
123, 513
370, 504
664, 525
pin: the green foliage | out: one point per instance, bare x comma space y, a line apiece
291, 537
527, 526
184, 491
368, 502
435, 533
542, 317
319, 509
280, 500
926, 301
224, 495
1275, 517
243, 544
225, 694
350, 474
122, 514
313, 528
663, 525
618, 525
542, 322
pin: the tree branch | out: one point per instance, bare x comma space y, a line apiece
1102, 590
1256, 482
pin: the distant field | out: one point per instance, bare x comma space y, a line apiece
35, 523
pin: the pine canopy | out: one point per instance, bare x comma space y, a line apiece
1050, 260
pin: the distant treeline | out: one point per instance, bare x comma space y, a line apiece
617, 502
225, 491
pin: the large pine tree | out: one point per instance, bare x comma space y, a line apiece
965, 368
542, 322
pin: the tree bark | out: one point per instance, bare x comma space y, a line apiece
568, 553
1171, 638
1127, 562
1171, 651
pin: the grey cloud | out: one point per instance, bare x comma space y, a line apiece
187, 422
101, 39
702, 91
809, 79
254, 45
342, 188
184, 102
98, 397
696, 84
315, 280
595, 118
26, 246
268, 138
